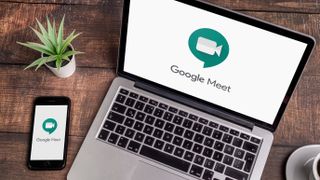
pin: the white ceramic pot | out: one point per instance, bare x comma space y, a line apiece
66, 70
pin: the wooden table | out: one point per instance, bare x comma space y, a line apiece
99, 20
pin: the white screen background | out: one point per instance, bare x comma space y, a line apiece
259, 68
50, 150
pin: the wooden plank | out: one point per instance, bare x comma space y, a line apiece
86, 89
14, 147
100, 26
306, 6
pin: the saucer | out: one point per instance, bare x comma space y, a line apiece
295, 165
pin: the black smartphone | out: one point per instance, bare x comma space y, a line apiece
49, 133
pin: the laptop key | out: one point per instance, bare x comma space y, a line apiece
177, 141
109, 125
134, 146
153, 102
187, 123
178, 131
193, 117
227, 160
120, 98
148, 109
227, 138
203, 121
116, 117
119, 108
120, 129
157, 133
196, 170
197, 148
165, 158
197, 127
207, 175
150, 120
168, 148
139, 105
177, 120
207, 131
163, 106
173, 110
249, 158
139, 137
188, 156
131, 112
149, 140
123, 142
244, 136
217, 134
124, 91
237, 142
217, 156
239, 153
103, 134
238, 164
138, 126
229, 149
218, 146
209, 164
140, 116
236, 174
198, 138
234, 132
208, 142
207, 152
134, 95
159, 144
148, 129
219, 167
187, 144
158, 112
223, 128
143, 99
188, 134
167, 137
198, 160
159, 123
213, 124
169, 127
255, 140
129, 133
178, 152
168, 116
250, 147
183, 113
113, 138
129, 122
130, 102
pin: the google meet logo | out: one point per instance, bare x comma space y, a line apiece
209, 46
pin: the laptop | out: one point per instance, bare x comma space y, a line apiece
200, 91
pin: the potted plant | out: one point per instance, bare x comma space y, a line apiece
57, 53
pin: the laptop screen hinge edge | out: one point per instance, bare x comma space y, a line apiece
191, 103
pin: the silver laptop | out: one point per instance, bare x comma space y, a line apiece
200, 91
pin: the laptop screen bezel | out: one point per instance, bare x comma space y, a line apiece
238, 17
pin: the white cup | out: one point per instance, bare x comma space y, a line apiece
311, 168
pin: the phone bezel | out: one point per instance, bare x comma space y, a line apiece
50, 164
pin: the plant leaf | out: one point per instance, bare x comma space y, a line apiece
38, 47
60, 36
45, 60
51, 33
70, 53
44, 40
68, 41
35, 63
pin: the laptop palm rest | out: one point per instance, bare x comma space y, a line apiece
146, 171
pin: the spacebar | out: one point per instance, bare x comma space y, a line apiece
165, 158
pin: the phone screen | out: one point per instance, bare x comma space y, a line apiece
49, 130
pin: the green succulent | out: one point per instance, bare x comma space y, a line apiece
53, 47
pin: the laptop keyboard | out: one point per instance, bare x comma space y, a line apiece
176, 138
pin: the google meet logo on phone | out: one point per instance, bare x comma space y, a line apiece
49, 125
209, 46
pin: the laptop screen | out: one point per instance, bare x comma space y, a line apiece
211, 57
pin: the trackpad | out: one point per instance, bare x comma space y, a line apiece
146, 171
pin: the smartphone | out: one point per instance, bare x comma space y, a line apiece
49, 133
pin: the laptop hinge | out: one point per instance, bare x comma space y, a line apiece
199, 106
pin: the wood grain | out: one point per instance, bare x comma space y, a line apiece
14, 147
306, 6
